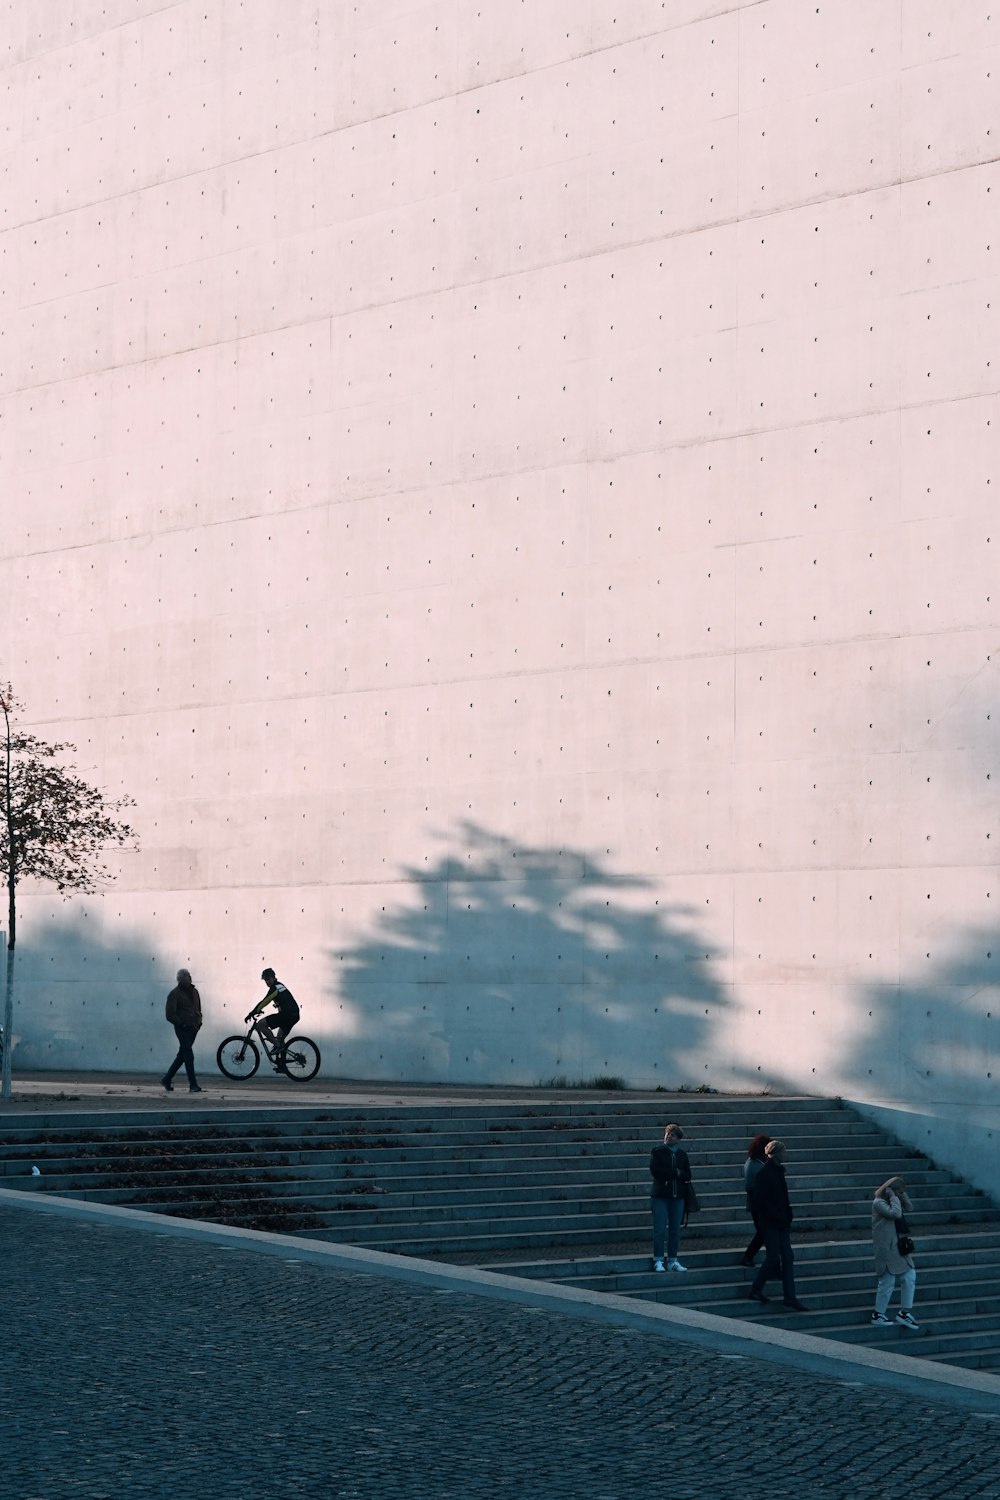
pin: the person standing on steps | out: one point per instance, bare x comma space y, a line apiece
755, 1160
773, 1214
184, 1014
277, 1026
893, 1258
671, 1173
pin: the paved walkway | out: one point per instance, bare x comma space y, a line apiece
144, 1362
35, 1093
147, 1357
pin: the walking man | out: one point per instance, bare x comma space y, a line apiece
773, 1214
184, 1015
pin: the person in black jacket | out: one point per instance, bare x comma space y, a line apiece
755, 1160
773, 1216
280, 1022
184, 1015
671, 1173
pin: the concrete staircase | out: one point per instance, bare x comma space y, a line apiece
957, 1303
555, 1188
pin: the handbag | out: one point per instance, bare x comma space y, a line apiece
691, 1198
904, 1243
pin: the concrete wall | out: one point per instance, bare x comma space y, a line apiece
510, 490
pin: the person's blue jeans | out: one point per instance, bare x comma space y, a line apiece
667, 1216
778, 1259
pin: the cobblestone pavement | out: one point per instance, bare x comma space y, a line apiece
138, 1364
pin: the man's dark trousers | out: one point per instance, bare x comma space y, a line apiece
778, 1258
185, 1053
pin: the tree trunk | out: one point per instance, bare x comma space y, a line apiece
8, 1021
8, 1007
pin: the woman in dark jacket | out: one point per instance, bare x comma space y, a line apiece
773, 1212
671, 1173
755, 1160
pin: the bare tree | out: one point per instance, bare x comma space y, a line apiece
56, 829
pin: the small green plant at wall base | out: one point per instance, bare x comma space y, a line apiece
601, 1081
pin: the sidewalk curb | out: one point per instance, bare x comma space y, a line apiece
974, 1390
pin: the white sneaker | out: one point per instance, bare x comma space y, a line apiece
658, 1265
907, 1319
675, 1265
879, 1320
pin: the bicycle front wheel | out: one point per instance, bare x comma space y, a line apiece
301, 1059
238, 1057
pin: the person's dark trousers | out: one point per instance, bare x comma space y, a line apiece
756, 1242
778, 1260
185, 1053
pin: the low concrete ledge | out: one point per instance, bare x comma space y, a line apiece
972, 1389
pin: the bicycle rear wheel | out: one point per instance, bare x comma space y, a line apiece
301, 1060
238, 1057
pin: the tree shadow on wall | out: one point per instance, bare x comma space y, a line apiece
506, 964
927, 1043
83, 1003
936, 1035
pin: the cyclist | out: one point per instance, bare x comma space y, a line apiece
279, 1024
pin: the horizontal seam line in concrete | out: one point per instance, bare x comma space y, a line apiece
971, 1389
407, 491
742, 214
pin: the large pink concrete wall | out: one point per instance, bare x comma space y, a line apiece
509, 488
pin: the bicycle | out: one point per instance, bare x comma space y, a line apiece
239, 1056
